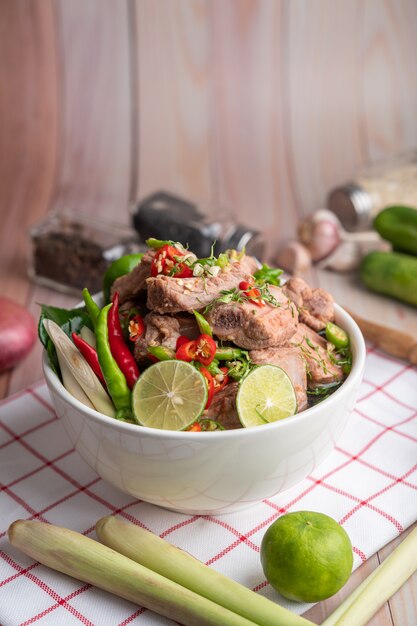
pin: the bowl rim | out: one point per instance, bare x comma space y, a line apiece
358, 345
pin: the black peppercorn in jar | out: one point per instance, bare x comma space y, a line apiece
71, 251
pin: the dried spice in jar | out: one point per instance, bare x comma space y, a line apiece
71, 251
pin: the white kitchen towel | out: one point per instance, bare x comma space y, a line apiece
368, 484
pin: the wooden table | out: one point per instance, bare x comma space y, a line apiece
401, 610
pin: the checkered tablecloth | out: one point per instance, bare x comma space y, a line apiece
368, 484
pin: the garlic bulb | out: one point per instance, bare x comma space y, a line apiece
331, 246
321, 233
294, 257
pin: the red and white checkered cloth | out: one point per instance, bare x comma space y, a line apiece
368, 484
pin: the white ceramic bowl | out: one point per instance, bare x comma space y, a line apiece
210, 472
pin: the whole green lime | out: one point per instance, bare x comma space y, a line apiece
120, 267
306, 556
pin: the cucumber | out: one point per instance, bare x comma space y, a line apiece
392, 274
398, 224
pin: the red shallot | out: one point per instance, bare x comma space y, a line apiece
17, 333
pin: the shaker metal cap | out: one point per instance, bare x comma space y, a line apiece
352, 205
251, 241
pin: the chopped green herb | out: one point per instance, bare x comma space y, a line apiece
342, 358
267, 296
239, 368
208, 425
322, 392
226, 296
268, 275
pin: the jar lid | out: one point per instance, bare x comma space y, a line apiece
243, 238
352, 205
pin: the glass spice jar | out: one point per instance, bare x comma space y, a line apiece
70, 251
375, 187
201, 226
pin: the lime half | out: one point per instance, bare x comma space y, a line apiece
169, 395
265, 395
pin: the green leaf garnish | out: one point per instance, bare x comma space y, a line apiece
268, 275
69, 320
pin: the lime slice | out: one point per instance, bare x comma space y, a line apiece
120, 267
169, 395
265, 395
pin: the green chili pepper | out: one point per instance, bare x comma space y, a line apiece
238, 368
92, 307
229, 354
336, 335
237, 361
203, 324
213, 367
208, 424
161, 353
223, 260
115, 380
158, 243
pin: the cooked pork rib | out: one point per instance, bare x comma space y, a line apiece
321, 370
167, 294
249, 264
223, 408
253, 327
130, 285
164, 330
291, 361
283, 335
315, 306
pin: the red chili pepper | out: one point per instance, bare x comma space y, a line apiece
251, 292
220, 384
182, 271
206, 349
118, 346
167, 261
90, 355
187, 351
201, 349
210, 385
196, 428
182, 339
136, 327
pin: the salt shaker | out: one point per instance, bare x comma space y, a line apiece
375, 187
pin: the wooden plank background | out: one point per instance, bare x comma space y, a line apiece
258, 107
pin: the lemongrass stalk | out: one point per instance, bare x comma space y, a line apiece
70, 383
162, 557
378, 587
71, 553
80, 369
88, 336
